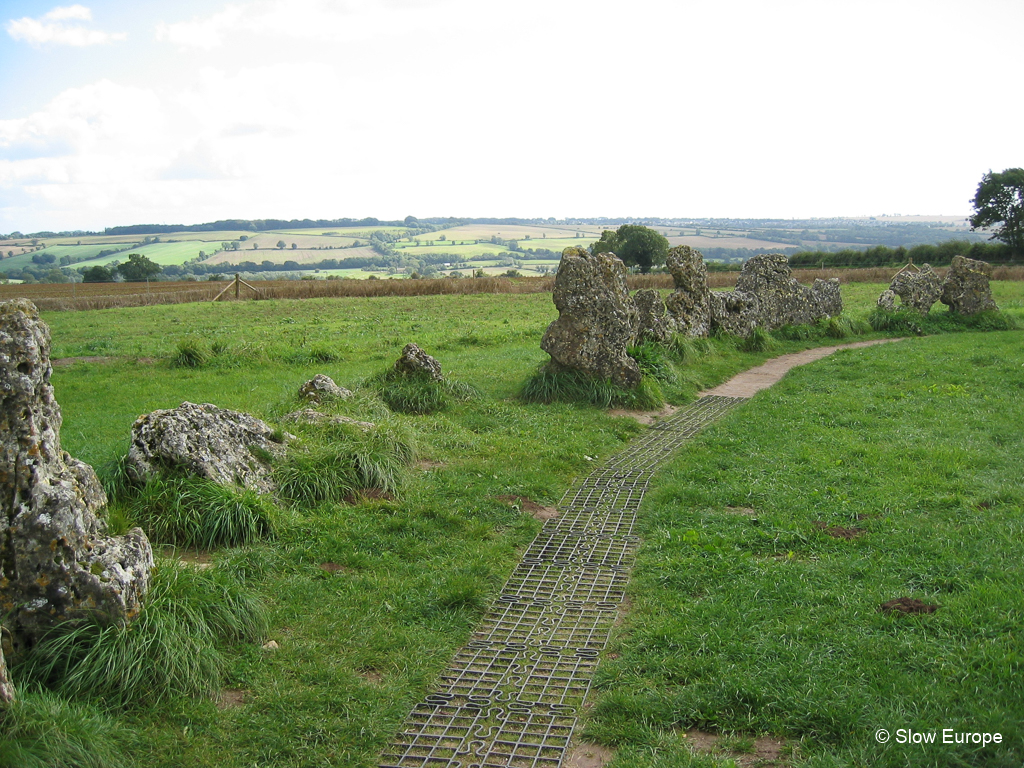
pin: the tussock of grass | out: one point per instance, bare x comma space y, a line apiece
689, 350
169, 650
653, 361
194, 512
551, 384
339, 460
43, 730
418, 394
760, 340
191, 353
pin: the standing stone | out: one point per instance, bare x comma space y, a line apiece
689, 306
7, 692
56, 561
214, 443
597, 319
767, 295
887, 300
652, 321
917, 290
414, 361
966, 289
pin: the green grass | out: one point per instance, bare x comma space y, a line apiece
747, 617
369, 600
159, 253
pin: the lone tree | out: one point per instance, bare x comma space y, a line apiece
138, 268
636, 245
1000, 200
97, 274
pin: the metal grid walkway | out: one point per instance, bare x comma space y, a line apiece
511, 696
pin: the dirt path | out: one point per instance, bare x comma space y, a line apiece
749, 383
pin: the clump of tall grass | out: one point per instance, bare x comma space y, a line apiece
689, 349
759, 340
653, 361
341, 460
191, 353
169, 650
896, 321
192, 511
551, 384
418, 393
41, 730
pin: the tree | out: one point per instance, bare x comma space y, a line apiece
97, 274
636, 245
1000, 200
280, 245
138, 268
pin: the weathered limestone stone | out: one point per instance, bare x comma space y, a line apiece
689, 306
887, 300
781, 299
414, 361
56, 562
204, 440
917, 290
735, 312
7, 692
652, 320
310, 416
597, 319
321, 388
966, 290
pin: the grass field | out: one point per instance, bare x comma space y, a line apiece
743, 624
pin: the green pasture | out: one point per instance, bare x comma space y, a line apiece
160, 253
739, 624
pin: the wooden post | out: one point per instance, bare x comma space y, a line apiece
238, 279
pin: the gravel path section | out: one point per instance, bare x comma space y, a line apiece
749, 383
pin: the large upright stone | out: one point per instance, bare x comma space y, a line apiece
7, 692
966, 289
652, 320
917, 290
56, 561
767, 295
225, 446
689, 306
597, 319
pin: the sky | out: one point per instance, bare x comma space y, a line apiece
118, 112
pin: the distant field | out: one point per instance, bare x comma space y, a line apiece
509, 232
280, 256
163, 254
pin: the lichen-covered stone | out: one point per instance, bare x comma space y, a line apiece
414, 361
652, 320
966, 289
56, 561
917, 290
597, 319
887, 300
735, 312
215, 443
689, 306
322, 388
7, 692
826, 298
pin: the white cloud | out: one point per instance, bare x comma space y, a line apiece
206, 34
52, 28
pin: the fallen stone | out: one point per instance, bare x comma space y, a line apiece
966, 289
597, 319
414, 361
56, 562
652, 320
917, 290
271, 645
215, 443
322, 388
689, 306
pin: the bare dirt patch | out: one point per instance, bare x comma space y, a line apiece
372, 676
907, 605
369, 494
194, 557
229, 698
539, 511
645, 417
747, 752
749, 383
838, 531
745, 511
427, 465
588, 756
333, 568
